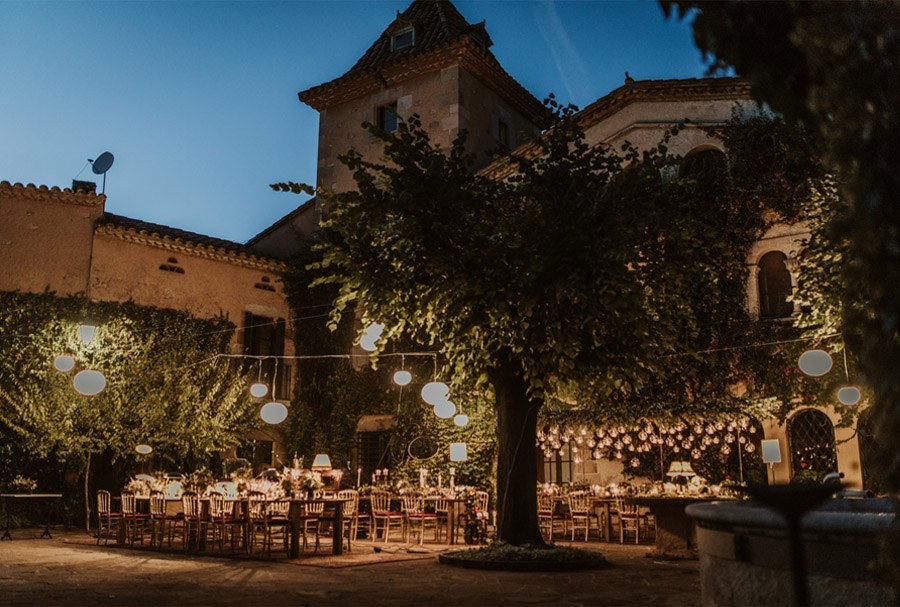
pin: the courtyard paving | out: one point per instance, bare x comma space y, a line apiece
70, 571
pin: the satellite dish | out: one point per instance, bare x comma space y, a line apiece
102, 164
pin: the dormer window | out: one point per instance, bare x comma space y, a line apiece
403, 39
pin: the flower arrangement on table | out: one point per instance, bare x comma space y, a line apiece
23, 484
476, 527
295, 482
200, 481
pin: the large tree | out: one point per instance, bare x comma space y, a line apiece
577, 276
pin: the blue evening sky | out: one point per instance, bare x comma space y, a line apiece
198, 101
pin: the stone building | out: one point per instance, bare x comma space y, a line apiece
432, 62
65, 242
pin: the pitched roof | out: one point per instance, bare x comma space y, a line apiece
174, 238
633, 91
287, 219
443, 37
31, 191
436, 22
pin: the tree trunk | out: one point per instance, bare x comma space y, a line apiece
87, 494
517, 416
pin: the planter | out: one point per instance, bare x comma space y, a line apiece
744, 556
525, 566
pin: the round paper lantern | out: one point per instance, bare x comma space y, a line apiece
273, 412
435, 392
815, 363
144, 449
89, 382
367, 343
445, 409
849, 395
64, 363
258, 390
374, 330
402, 378
460, 420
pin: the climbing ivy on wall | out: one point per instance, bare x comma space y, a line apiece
165, 386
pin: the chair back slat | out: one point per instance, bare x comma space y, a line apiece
157, 503
381, 502
129, 503
481, 500
351, 506
545, 504
579, 503
190, 503
278, 508
413, 504
217, 508
103, 502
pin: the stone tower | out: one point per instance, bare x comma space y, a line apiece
429, 61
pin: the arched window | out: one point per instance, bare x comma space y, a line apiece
774, 285
708, 162
811, 438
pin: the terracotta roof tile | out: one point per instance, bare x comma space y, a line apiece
162, 231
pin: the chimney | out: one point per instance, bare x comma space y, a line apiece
87, 187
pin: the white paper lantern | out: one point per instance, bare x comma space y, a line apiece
89, 382
460, 420
445, 409
273, 412
367, 343
374, 330
86, 333
402, 378
258, 390
144, 449
849, 395
815, 363
458, 452
64, 363
435, 392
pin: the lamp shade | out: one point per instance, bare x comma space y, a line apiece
458, 452
687, 470
86, 333
460, 420
368, 344
64, 363
89, 382
273, 412
675, 469
321, 461
815, 363
259, 389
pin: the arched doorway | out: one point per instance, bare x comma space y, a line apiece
811, 439
774, 286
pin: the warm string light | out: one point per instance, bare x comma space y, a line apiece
627, 443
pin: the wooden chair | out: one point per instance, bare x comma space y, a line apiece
580, 514
351, 513
442, 512
107, 520
278, 521
416, 516
193, 523
381, 511
159, 519
546, 515
629, 521
221, 519
135, 522
311, 519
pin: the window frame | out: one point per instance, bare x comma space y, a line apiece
412, 39
382, 111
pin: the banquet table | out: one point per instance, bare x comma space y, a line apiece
23, 498
675, 530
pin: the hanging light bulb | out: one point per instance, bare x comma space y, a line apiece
849, 395
64, 363
815, 363
435, 392
445, 409
273, 412
86, 333
460, 420
89, 382
402, 378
